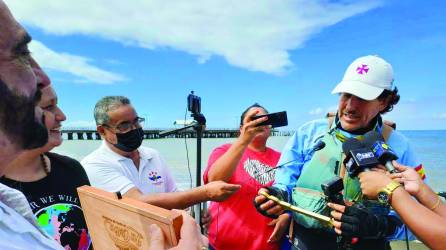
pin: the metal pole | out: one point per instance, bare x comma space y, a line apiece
198, 180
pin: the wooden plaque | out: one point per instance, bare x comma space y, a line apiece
124, 223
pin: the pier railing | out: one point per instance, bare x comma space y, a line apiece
91, 134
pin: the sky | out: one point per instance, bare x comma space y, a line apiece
283, 54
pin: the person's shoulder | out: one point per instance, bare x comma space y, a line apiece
398, 138
147, 151
221, 148
63, 159
399, 143
312, 128
225, 146
96, 157
66, 163
322, 122
271, 150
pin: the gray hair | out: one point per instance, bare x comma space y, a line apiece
107, 104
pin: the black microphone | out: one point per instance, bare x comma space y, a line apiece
358, 157
319, 145
381, 150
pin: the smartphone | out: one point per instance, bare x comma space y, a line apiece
193, 103
278, 119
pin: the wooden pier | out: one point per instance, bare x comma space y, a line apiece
90, 134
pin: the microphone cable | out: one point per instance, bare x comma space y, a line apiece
187, 152
318, 146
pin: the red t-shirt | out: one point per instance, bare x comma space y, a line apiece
235, 223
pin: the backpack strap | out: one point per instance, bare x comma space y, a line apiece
330, 118
386, 131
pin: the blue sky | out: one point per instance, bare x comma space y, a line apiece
286, 55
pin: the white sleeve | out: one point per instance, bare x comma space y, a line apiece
107, 177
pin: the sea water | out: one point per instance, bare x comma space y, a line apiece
180, 154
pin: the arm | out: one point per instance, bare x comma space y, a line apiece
281, 225
415, 186
296, 152
223, 168
407, 156
112, 179
289, 166
215, 191
427, 225
283, 183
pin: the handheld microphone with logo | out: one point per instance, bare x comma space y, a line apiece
358, 157
382, 151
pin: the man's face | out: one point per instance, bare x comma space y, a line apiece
20, 119
124, 116
356, 113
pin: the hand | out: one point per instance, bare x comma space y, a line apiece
409, 177
267, 207
372, 182
249, 128
220, 190
205, 219
357, 221
281, 225
191, 238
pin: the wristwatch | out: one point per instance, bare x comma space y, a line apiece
385, 194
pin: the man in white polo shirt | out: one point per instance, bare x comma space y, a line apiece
122, 165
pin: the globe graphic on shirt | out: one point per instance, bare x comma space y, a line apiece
65, 223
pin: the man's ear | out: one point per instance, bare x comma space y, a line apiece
384, 103
100, 130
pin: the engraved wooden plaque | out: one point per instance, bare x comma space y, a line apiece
124, 223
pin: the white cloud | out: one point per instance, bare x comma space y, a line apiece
333, 108
255, 35
440, 116
76, 65
316, 111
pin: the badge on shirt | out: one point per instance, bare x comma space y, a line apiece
155, 178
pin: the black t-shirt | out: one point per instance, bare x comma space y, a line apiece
55, 203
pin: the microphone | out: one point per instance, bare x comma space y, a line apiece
358, 157
319, 145
381, 150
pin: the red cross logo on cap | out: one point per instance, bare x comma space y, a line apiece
363, 69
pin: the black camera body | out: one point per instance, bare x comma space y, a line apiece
194, 103
332, 190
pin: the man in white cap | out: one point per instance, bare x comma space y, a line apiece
314, 156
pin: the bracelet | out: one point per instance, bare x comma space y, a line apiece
436, 203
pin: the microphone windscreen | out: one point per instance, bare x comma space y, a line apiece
371, 137
319, 145
351, 144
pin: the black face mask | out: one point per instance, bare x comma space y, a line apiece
130, 141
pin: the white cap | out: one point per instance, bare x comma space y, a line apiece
367, 77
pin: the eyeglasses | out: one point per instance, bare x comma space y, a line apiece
125, 127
